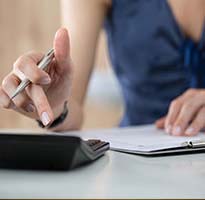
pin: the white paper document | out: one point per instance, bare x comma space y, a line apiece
139, 139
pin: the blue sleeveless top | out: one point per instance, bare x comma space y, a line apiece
152, 58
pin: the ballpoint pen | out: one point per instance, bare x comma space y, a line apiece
41, 65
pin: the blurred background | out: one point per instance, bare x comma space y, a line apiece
28, 25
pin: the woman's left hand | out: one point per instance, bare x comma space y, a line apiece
186, 115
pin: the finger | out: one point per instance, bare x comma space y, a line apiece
61, 45
173, 112
160, 123
41, 103
187, 113
197, 124
9, 85
5, 101
26, 67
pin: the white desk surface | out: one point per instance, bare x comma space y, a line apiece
115, 175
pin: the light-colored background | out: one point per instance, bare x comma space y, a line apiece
27, 25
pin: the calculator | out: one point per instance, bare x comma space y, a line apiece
48, 151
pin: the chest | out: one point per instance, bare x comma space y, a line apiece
189, 15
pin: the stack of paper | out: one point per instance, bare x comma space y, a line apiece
141, 139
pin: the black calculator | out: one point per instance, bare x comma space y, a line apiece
48, 151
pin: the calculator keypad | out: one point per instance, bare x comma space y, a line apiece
96, 144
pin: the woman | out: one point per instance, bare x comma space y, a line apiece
157, 51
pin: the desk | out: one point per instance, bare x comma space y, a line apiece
115, 175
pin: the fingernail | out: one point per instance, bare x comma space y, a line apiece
45, 118
30, 108
189, 131
168, 129
177, 130
45, 80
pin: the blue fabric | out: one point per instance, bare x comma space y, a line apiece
152, 58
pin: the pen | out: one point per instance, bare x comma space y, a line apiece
41, 65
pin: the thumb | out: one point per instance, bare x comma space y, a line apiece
160, 123
61, 46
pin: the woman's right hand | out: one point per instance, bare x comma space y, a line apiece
49, 90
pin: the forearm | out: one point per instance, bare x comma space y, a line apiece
84, 20
83, 41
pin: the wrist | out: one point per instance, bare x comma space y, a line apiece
58, 120
57, 110
74, 119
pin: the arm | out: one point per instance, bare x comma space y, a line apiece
84, 20
67, 75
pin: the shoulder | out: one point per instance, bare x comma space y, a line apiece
106, 3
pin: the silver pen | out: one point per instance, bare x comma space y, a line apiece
41, 65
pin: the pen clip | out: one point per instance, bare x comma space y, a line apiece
194, 144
